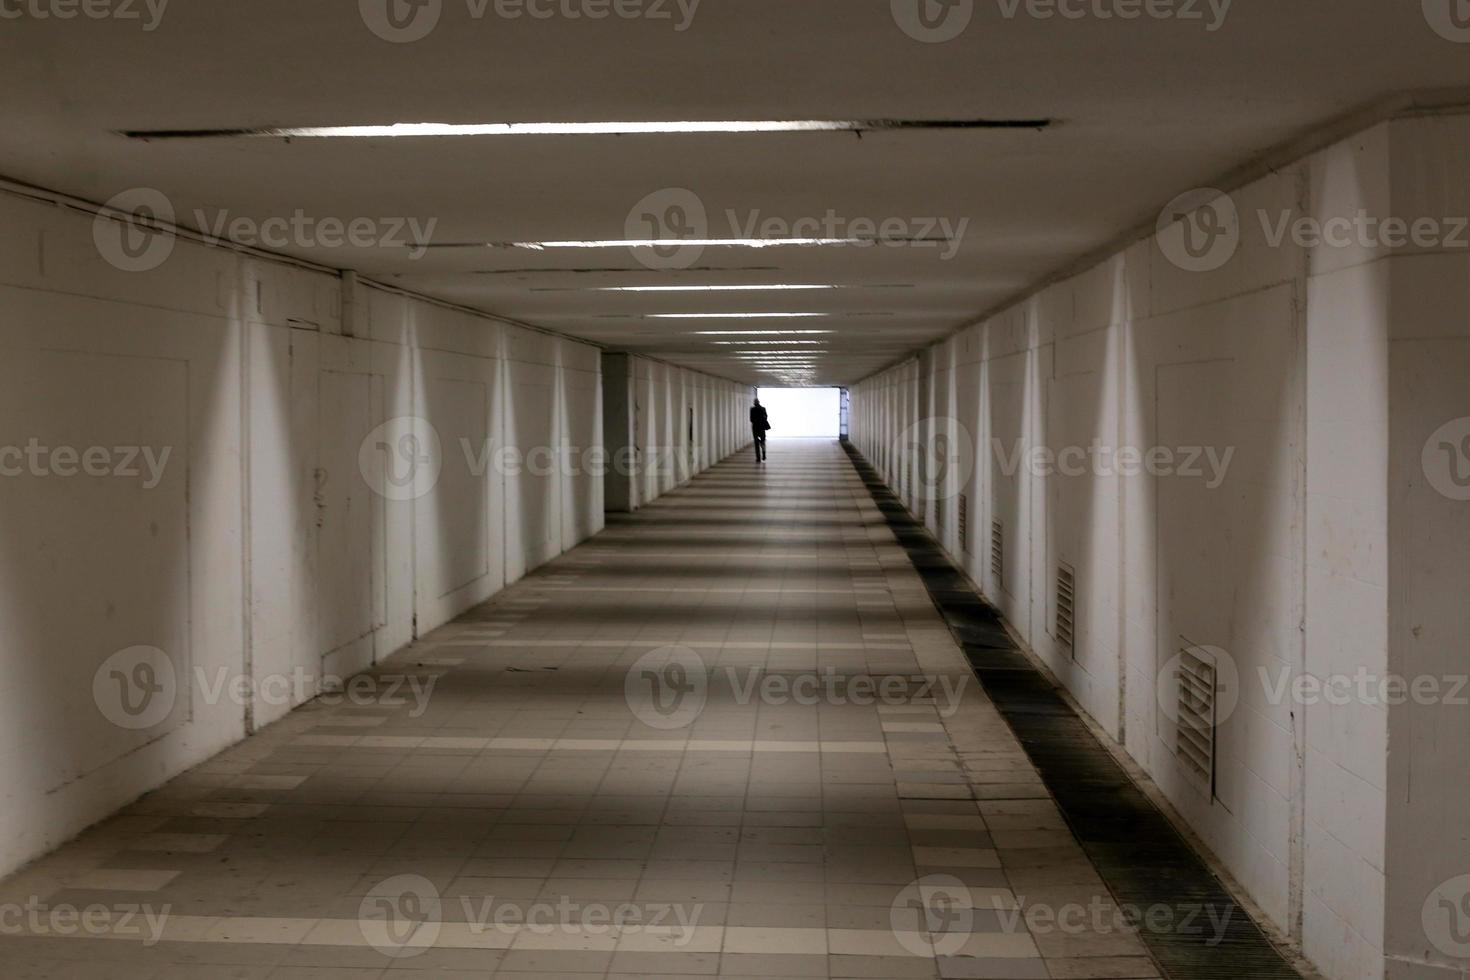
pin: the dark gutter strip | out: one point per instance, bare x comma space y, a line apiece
1140, 856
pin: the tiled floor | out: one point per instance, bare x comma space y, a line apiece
730, 736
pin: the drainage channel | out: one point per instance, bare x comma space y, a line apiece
1140, 856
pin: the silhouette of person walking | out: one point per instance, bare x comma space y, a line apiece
759, 425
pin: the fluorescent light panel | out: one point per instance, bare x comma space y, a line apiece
673, 243
710, 289
401, 130
733, 316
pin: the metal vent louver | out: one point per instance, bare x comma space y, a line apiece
997, 551
1195, 745
964, 521
1066, 609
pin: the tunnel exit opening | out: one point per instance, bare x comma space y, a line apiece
803, 413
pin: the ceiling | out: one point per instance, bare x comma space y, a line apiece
1142, 110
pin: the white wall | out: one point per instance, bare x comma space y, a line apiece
272, 542
665, 424
1323, 369
1428, 561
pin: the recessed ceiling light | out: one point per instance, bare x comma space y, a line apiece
709, 289
758, 333
665, 243
732, 316
636, 128
738, 343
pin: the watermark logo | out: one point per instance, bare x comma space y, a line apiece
401, 916
134, 230
673, 924
1203, 685
401, 21
664, 216
148, 13
667, 688
402, 459
124, 920
1446, 459
1363, 687
1207, 464
1199, 684
942, 450
143, 463
136, 688
1210, 13
679, 13
412, 691
670, 229
406, 21
302, 230
405, 458
1446, 917
1450, 19
1199, 231
933, 21
829, 687
934, 916
1363, 230
1100, 916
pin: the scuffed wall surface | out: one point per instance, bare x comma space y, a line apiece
322, 499
665, 424
1289, 392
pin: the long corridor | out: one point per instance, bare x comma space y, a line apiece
729, 736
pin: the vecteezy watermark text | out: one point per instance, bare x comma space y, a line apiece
137, 688
1210, 14
147, 13
302, 230
406, 21
1201, 668
938, 21
123, 920
670, 687
135, 230
402, 917
936, 916
1207, 463
124, 462
1201, 230
670, 229
405, 458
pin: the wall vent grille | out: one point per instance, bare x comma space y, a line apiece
997, 551
1195, 745
1066, 625
964, 522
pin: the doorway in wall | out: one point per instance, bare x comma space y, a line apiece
802, 413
